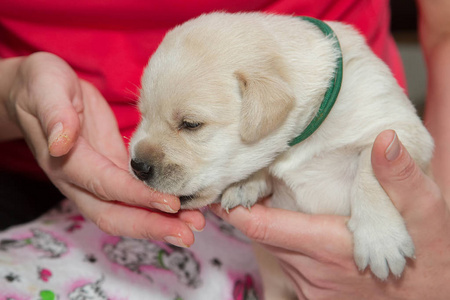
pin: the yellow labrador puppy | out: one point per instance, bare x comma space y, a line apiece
236, 107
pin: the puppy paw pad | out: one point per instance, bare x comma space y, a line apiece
383, 250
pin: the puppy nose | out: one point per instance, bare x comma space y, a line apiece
142, 170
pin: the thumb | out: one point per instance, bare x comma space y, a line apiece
57, 103
411, 191
50, 123
289, 229
62, 126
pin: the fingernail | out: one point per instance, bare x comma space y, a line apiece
55, 133
394, 149
193, 228
176, 241
163, 207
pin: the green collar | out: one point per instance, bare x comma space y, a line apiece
332, 91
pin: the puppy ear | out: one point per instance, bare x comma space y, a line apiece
266, 102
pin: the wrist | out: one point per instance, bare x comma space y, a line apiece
9, 69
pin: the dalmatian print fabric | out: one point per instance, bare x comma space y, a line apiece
63, 256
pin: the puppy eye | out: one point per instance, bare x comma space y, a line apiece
190, 125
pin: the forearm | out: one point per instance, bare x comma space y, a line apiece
434, 27
437, 110
8, 71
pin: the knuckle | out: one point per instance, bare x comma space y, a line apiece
104, 223
408, 170
16, 93
95, 187
256, 229
40, 55
139, 230
146, 234
315, 292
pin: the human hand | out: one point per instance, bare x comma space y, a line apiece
73, 135
315, 251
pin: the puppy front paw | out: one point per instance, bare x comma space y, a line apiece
383, 246
246, 192
239, 194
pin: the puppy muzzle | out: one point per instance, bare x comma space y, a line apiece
142, 170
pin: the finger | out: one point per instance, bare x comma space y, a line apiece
412, 192
193, 218
59, 118
100, 126
91, 171
62, 133
53, 126
120, 220
54, 99
307, 234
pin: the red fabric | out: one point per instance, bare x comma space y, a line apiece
109, 42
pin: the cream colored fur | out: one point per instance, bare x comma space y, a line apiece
254, 82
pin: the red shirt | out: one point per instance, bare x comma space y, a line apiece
109, 42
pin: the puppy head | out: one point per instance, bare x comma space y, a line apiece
209, 106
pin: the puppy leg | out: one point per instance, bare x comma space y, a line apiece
379, 233
247, 191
